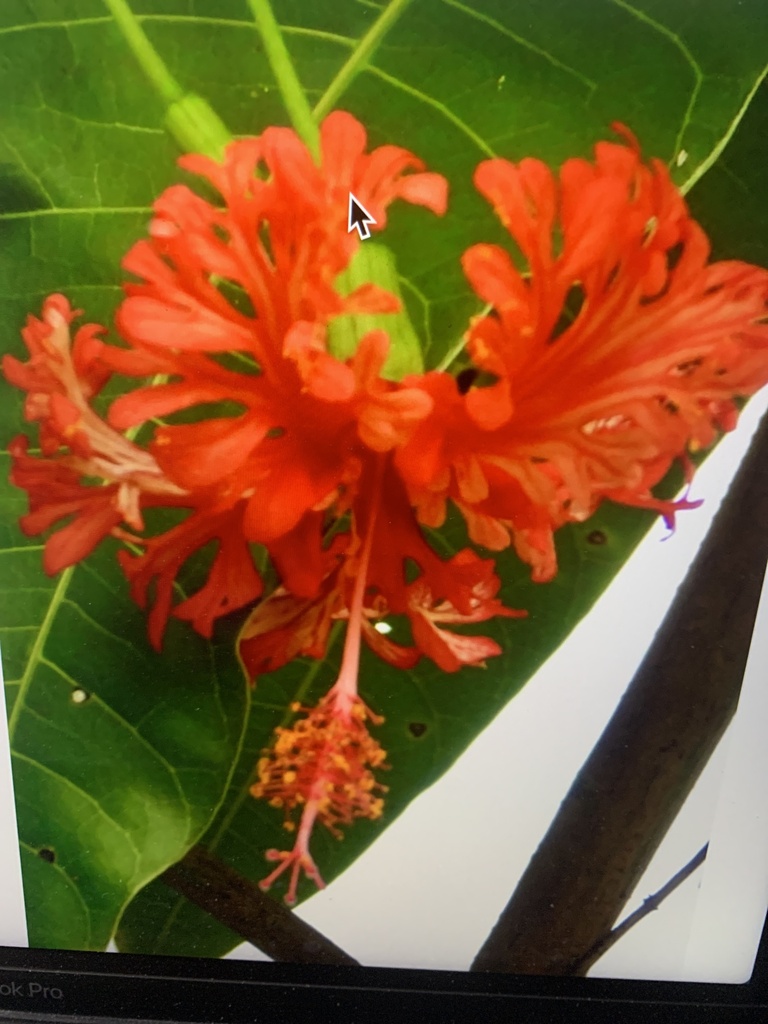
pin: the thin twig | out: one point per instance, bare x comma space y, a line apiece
650, 903
242, 907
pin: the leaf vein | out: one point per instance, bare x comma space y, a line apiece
97, 625
37, 650
86, 796
91, 123
74, 211
521, 41
719, 147
131, 729
97, 576
430, 101
42, 25
25, 167
70, 882
674, 38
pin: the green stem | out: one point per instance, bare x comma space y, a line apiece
190, 119
359, 57
287, 80
148, 58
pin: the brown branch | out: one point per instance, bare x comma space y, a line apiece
243, 908
650, 903
647, 760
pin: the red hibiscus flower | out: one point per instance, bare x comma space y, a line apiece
61, 378
254, 278
619, 351
250, 283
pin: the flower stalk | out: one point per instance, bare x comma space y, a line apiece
196, 126
149, 60
287, 80
359, 57
189, 118
344, 690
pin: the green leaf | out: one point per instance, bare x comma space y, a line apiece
730, 201
120, 756
82, 156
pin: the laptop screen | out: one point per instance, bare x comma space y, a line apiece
378, 481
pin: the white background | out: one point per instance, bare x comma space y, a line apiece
429, 890
13, 925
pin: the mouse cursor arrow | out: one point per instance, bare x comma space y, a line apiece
359, 218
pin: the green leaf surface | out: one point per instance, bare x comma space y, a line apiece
731, 200
119, 786
120, 757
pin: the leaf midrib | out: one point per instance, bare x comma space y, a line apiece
81, 211
88, 798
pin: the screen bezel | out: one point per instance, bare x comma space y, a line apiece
132, 987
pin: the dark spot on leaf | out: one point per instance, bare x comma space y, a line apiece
47, 855
597, 537
417, 729
274, 432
